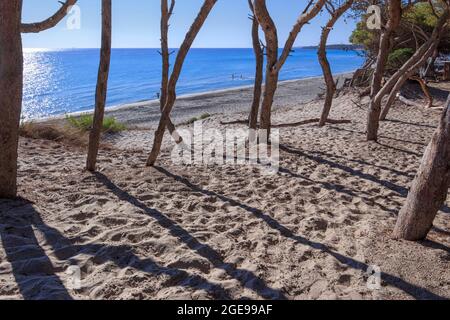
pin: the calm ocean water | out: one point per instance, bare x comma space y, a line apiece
63, 81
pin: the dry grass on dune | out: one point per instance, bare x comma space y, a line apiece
54, 132
308, 232
61, 132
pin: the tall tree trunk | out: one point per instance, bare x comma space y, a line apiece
271, 87
259, 59
11, 86
395, 93
430, 187
166, 13
373, 118
323, 60
171, 87
271, 36
274, 63
102, 86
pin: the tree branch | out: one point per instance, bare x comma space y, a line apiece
50, 22
304, 18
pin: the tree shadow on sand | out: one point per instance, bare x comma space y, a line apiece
411, 289
354, 193
31, 267
245, 277
361, 162
411, 153
363, 135
339, 188
436, 245
400, 190
423, 125
36, 276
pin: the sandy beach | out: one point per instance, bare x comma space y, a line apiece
314, 230
146, 114
216, 157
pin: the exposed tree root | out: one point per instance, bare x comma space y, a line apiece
224, 123
294, 124
412, 103
409, 102
300, 123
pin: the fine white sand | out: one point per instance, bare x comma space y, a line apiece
227, 231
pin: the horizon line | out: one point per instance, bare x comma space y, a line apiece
158, 48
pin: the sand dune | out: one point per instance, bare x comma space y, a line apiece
171, 232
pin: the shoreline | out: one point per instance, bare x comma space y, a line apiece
145, 114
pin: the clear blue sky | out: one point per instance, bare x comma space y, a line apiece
136, 24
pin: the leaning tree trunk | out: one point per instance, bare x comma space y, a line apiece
395, 92
373, 117
324, 63
102, 86
11, 84
400, 82
166, 13
259, 59
430, 187
419, 58
392, 97
171, 87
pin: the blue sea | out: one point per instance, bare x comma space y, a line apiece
63, 81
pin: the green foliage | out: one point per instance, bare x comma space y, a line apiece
398, 57
110, 124
362, 36
85, 123
422, 15
205, 116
